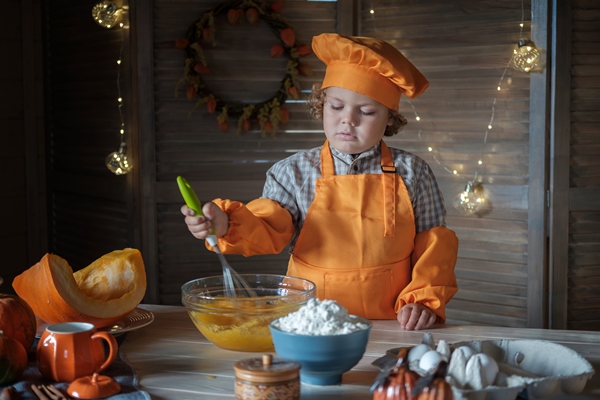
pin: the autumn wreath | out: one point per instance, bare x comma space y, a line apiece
268, 113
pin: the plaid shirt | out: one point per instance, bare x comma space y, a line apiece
291, 182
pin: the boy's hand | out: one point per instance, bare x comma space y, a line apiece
414, 316
200, 226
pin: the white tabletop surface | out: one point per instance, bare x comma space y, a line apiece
173, 360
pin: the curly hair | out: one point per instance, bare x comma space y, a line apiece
316, 100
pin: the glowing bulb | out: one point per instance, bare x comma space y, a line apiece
526, 56
106, 14
430, 148
372, 11
498, 88
455, 172
117, 161
489, 126
480, 162
418, 118
471, 200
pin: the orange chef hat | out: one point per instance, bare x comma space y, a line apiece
368, 66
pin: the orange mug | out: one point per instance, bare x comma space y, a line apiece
71, 350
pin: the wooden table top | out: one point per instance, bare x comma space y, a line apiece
173, 360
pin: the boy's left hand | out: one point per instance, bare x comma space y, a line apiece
414, 316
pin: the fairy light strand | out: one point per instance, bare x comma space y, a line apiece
435, 154
107, 14
120, 98
472, 199
117, 161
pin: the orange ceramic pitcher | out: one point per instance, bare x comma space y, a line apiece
71, 350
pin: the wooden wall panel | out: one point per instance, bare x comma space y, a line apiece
221, 164
90, 205
463, 48
13, 196
22, 196
584, 201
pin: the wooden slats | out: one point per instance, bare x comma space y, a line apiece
22, 198
463, 48
89, 204
190, 144
584, 194
86, 227
464, 69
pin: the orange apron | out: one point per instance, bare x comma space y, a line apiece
357, 238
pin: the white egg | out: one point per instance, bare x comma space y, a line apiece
417, 352
430, 360
488, 364
466, 351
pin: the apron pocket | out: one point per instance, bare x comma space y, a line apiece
367, 293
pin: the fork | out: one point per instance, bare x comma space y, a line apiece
47, 392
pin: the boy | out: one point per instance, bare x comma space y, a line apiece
365, 223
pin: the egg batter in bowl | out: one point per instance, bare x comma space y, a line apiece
242, 323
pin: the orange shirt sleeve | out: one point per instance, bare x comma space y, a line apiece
261, 226
433, 281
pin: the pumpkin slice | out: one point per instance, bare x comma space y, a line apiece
102, 293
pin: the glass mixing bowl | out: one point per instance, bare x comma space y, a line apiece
242, 323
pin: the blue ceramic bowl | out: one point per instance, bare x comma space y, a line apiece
323, 358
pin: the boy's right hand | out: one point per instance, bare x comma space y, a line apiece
415, 316
200, 226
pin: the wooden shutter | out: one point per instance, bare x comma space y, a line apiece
221, 164
91, 208
463, 48
583, 279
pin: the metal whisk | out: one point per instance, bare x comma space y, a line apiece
232, 282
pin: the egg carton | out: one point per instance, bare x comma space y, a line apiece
528, 369
533, 369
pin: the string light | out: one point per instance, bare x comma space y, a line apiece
525, 55
117, 161
472, 199
106, 14
372, 11
434, 153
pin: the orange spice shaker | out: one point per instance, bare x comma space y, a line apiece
260, 378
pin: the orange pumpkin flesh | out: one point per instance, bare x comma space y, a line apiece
17, 319
102, 293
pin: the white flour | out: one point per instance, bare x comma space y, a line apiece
320, 318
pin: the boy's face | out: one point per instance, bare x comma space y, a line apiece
352, 121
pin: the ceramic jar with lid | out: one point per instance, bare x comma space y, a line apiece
267, 377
